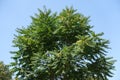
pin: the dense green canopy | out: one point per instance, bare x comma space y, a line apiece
60, 47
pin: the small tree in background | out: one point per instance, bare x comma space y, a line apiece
5, 73
61, 47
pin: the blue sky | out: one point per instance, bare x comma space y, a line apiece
105, 17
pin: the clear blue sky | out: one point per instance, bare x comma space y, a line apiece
105, 17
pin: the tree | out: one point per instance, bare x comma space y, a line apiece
61, 47
5, 73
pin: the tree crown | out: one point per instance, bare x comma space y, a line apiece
61, 47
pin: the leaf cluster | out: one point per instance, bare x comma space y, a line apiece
5, 73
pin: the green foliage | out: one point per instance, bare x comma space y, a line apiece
60, 47
5, 73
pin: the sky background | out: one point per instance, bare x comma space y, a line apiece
104, 16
